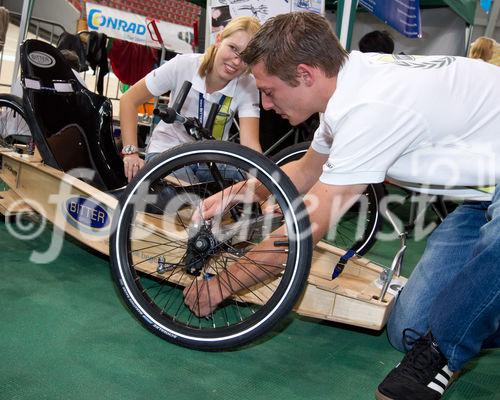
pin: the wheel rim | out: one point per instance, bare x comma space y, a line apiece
14, 129
157, 295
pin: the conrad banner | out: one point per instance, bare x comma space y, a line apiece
134, 28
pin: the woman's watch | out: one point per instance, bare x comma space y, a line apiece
129, 149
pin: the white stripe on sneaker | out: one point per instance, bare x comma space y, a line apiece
435, 387
442, 379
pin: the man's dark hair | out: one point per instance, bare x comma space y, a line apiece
376, 42
287, 40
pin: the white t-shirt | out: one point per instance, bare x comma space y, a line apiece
171, 76
431, 121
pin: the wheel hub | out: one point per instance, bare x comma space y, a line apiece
200, 247
203, 243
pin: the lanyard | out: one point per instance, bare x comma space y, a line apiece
201, 106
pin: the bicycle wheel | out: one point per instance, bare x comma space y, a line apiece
14, 130
156, 250
357, 230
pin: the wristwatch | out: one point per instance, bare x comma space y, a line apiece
129, 149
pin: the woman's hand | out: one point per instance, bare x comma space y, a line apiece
132, 163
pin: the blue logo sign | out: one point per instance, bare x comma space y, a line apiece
402, 15
486, 5
97, 19
86, 212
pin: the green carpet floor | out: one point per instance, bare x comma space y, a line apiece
65, 334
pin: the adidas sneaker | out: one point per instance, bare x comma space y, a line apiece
423, 374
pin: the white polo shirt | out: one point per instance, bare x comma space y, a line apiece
170, 77
431, 121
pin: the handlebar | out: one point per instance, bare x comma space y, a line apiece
181, 96
192, 125
211, 116
169, 116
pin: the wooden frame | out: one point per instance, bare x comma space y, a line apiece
352, 298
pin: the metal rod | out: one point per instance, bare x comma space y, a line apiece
23, 30
492, 19
270, 149
396, 265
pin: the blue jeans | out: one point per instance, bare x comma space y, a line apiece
197, 173
454, 290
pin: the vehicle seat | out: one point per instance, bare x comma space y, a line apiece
71, 126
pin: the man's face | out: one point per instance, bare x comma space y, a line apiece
287, 101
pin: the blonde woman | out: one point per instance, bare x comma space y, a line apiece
482, 48
217, 76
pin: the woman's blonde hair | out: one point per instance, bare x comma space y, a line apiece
482, 48
248, 24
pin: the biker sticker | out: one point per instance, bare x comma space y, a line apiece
86, 215
41, 59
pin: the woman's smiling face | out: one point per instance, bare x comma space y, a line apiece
227, 62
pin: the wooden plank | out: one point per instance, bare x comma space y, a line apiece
12, 204
51, 192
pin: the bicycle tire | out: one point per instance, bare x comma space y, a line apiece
352, 233
14, 130
155, 298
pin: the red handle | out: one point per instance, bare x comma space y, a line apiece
152, 23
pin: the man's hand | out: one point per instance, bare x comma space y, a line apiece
260, 264
242, 192
212, 206
203, 296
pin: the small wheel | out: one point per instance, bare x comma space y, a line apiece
358, 227
156, 249
14, 130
